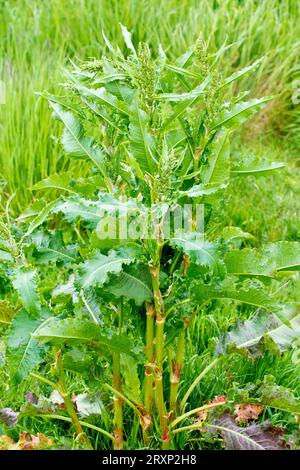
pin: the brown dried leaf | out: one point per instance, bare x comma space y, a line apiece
29, 442
202, 415
26, 442
247, 412
219, 399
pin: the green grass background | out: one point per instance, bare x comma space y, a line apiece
37, 40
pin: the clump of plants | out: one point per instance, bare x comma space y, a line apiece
107, 279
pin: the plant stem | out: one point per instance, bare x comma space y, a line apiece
118, 400
160, 402
149, 351
125, 399
69, 406
118, 403
176, 372
175, 261
159, 349
209, 406
83, 424
147, 419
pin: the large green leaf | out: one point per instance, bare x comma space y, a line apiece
74, 140
40, 218
104, 98
249, 336
75, 330
234, 233
265, 261
134, 282
25, 352
102, 113
250, 262
285, 254
128, 41
236, 115
200, 251
95, 271
255, 167
93, 211
53, 252
58, 181
142, 145
241, 73
74, 208
132, 385
277, 396
199, 190
183, 71
248, 295
111, 205
25, 282
217, 170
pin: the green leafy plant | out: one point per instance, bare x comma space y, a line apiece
158, 137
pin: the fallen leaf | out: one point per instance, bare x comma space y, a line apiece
29, 442
262, 436
219, 399
26, 442
202, 415
247, 412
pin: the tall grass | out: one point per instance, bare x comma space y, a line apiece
37, 38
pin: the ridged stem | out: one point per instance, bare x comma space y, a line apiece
69, 406
149, 367
118, 404
159, 350
176, 373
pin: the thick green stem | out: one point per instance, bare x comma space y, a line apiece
149, 366
176, 373
63, 391
118, 404
159, 350
117, 385
160, 402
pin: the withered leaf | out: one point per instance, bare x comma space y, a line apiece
247, 412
